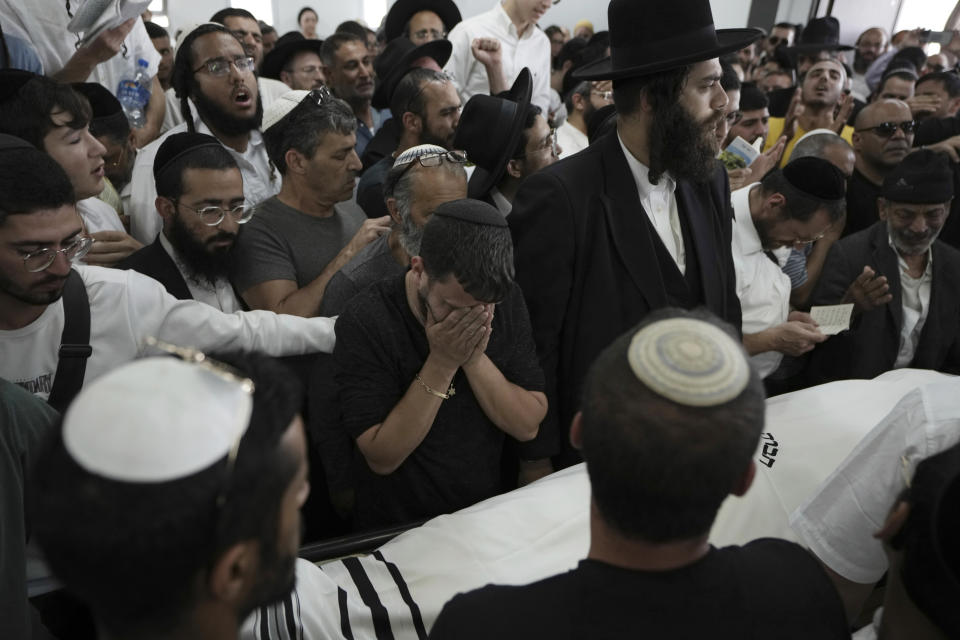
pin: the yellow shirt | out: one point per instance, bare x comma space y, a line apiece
776, 129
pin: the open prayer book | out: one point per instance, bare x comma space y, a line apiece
96, 16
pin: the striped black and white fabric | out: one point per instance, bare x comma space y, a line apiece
397, 592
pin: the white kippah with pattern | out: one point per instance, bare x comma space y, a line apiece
413, 153
280, 107
155, 420
689, 361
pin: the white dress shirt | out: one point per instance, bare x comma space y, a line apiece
260, 181
571, 139
219, 296
762, 286
660, 204
915, 299
44, 24
97, 216
531, 50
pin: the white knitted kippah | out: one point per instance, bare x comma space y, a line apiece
280, 107
688, 361
413, 153
156, 420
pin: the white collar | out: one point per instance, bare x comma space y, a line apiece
641, 174
506, 23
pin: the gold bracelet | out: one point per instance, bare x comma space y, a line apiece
443, 396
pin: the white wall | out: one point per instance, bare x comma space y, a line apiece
726, 13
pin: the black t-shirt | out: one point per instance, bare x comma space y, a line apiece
861, 203
766, 589
381, 346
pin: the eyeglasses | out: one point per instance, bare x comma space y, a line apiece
221, 66
429, 160
604, 95
549, 142
802, 243
41, 259
212, 216
432, 34
887, 129
312, 69
319, 95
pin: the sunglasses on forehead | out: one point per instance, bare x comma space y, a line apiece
887, 129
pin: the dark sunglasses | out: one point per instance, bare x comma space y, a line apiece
887, 129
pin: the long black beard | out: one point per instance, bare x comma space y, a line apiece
225, 123
682, 147
199, 260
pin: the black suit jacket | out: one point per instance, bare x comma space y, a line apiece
587, 261
872, 343
154, 261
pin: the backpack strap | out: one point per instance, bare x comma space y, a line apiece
74, 344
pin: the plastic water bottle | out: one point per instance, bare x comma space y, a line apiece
134, 94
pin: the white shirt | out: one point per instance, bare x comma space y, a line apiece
915, 299
660, 204
97, 215
126, 307
219, 296
837, 523
503, 205
259, 180
531, 50
571, 139
44, 23
269, 91
762, 286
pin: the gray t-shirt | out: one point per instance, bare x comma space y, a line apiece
281, 243
373, 263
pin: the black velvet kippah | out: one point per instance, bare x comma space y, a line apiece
176, 146
11, 80
474, 211
923, 177
816, 177
9, 143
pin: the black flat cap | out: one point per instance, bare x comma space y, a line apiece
816, 177
475, 211
176, 146
923, 177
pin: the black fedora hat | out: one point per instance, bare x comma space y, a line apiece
396, 59
287, 45
649, 36
402, 10
820, 34
489, 130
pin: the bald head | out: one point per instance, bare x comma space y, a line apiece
879, 139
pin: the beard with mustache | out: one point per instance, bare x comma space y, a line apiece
226, 123
203, 263
909, 243
681, 146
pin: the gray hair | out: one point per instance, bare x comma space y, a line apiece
304, 127
815, 145
399, 185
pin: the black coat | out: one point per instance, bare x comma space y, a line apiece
154, 261
872, 343
591, 265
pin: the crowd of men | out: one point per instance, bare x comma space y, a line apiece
420, 266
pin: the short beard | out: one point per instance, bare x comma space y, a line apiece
29, 297
912, 249
224, 122
277, 579
859, 64
409, 234
428, 137
197, 258
682, 147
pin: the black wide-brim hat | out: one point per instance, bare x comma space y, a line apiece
396, 59
479, 133
402, 10
820, 34
650, 36
287, 45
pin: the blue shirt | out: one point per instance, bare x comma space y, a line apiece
365, 133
